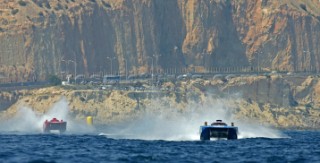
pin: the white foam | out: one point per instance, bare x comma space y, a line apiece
28, 121
157, 122
167, 123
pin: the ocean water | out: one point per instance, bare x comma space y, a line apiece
159, 134
298, 146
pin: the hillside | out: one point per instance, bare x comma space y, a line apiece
284, 102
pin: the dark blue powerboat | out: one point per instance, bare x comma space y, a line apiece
218, 130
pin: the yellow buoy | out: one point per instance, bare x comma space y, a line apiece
89, 120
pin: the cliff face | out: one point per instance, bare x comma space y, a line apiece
42, 37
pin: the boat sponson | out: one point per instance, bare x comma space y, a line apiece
218, 132
61, 126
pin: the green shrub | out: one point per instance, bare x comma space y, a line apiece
48, 5
22, 3
37, 2
14, 11
58, 7
303, 6
40, 13
54, 80
308, 105
106, 4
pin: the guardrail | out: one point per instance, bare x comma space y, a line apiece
22, 85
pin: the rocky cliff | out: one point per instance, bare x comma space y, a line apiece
43, 37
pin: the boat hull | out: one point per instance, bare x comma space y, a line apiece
218, 132
59, 126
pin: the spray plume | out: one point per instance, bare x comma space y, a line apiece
28, 121
166, 123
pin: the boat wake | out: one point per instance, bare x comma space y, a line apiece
156, 122
27, 121
166, 123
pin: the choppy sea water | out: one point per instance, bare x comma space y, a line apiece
297, 146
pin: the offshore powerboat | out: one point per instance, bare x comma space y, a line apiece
54, 124
218, 130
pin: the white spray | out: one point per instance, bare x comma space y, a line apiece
28, 121
166, 123
155, 123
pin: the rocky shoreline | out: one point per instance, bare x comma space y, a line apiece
277, 101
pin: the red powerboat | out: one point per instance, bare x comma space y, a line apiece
54, 124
